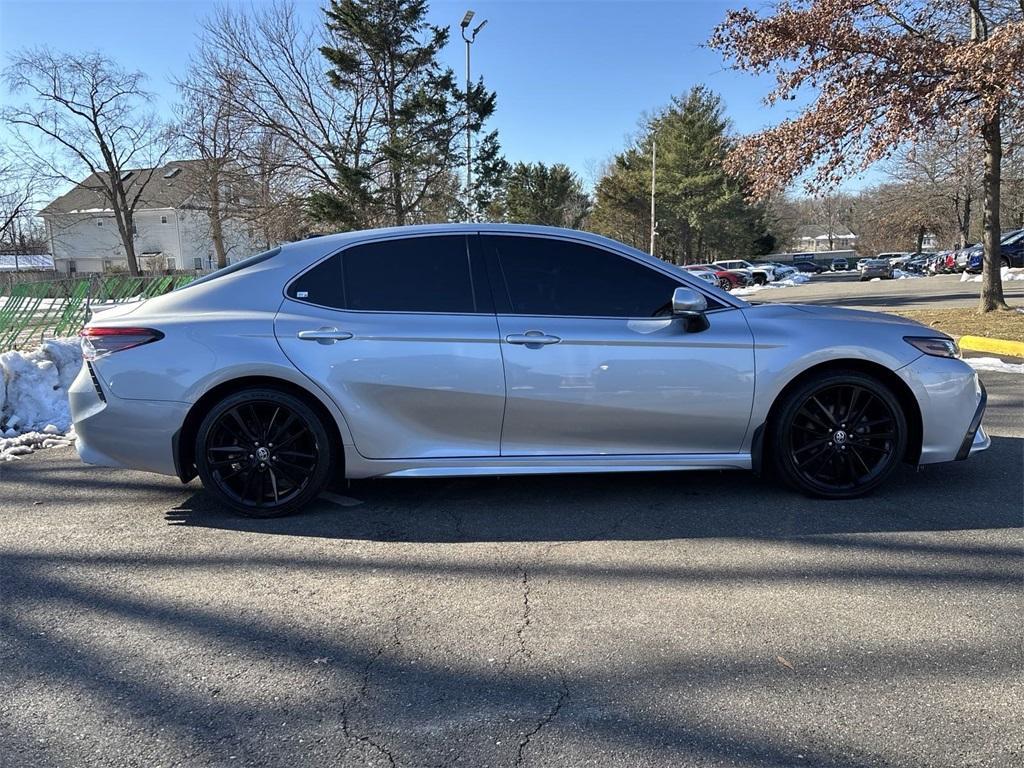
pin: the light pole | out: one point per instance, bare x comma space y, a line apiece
466, 20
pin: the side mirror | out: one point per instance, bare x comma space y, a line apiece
687, 302
690, 305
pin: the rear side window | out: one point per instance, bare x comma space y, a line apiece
554, 277
422, 274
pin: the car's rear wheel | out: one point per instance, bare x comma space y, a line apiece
838, 436
263, 453
760, 279
724, 283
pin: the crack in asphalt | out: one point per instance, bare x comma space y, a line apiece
522, 626
364, 686
550, 715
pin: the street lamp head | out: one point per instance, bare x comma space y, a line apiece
467, 19
479, 26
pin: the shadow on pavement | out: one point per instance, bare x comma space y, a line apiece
983, 493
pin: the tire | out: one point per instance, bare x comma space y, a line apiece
1004, 262
818, 451
241, 467
760, 280
724, 284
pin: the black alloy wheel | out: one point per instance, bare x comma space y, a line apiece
264, 453
839, 436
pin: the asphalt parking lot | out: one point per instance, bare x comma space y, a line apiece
620, 620
845, 289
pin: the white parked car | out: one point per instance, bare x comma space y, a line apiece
759, 274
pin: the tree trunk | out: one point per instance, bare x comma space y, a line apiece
991, 279
216, 229
125, 228
965, 224
920, 238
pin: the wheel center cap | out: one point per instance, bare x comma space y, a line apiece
262, 454
839, 437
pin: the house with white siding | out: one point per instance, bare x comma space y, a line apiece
172, 224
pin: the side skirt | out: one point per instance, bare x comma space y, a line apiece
543, 465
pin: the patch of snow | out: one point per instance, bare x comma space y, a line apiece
993, 364
790, 282
875, 280
899, 274
34, 410
1007, 273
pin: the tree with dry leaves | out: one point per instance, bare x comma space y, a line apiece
883, 74
86, 114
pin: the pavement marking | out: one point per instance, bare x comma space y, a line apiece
995, 346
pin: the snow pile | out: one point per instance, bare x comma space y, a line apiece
34, 386
899, 274
993, 364
790, 282
1007, 273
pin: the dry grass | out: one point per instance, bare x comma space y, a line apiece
969, 322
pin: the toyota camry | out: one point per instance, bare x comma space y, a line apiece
498, 350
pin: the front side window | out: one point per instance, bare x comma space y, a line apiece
421, 274
545, 276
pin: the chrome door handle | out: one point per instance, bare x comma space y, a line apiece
532, 339
324, 335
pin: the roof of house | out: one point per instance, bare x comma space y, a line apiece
820, 232
168, 186
9, 261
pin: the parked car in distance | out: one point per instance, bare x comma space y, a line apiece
487, 349
1011, 252
759, 274
964, 255
702, 273
809, 266
861, 263
839, 265
917, 264
727, 279
873, 268
781, 271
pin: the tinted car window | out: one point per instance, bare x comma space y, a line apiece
554, 277
422, 274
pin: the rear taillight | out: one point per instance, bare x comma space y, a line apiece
99, 342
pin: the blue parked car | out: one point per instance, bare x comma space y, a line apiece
1011, 249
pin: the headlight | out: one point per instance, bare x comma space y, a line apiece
937, 347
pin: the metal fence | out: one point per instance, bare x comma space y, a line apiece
34, 311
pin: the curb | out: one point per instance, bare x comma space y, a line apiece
995, 346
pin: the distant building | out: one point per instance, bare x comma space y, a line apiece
815, 237
172, 225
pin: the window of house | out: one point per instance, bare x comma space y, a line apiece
135, 229
197, 262
72, 267
172, 173
171, 264
555, 277
420, 274
163, 219
99, 222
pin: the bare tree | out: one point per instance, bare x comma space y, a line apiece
267, 63
86, 115
209, 129
19, 186
944, 172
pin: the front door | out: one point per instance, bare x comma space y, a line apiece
596, 364
402, 335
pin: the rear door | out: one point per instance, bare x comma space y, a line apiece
402, 335
596, 364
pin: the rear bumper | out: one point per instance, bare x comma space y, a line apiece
116, 432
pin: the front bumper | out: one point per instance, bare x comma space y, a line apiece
975, 440
117, 432
952, 402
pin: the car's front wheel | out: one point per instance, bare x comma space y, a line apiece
263, 453
838, 436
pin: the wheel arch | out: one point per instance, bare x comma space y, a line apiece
901, 390
184, 439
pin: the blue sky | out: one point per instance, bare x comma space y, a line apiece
573, 77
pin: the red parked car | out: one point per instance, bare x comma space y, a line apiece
727, 279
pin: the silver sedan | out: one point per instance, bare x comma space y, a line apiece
497, 350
